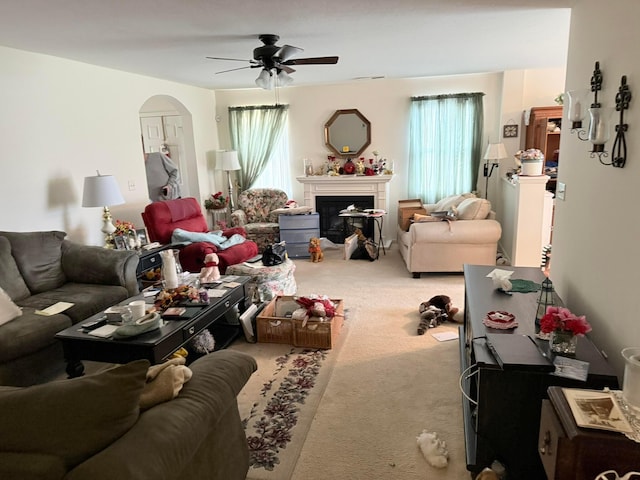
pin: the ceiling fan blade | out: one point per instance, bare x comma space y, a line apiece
312, 61
287, 52
285, 68
232, 59
234, 69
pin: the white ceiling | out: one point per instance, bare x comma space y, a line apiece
170, 39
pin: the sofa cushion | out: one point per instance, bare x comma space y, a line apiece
10, 279
39, 258
8, 309
473, 209
451, 201
72, 419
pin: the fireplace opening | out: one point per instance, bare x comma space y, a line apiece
337, 228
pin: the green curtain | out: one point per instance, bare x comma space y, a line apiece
445, 141
255, 130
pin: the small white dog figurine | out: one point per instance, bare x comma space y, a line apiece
434, 449
210, 272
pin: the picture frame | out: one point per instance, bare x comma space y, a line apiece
510, 131
120, 242
143, 236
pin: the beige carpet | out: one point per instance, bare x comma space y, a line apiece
387, 383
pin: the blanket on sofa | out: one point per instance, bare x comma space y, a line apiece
215, 237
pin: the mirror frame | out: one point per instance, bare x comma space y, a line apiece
327, 136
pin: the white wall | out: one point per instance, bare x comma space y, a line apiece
61, 120
385, 103
595, 263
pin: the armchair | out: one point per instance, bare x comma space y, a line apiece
162, 218
256, 214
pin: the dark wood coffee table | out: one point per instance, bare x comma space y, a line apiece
155, 346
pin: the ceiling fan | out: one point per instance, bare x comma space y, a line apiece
275, 59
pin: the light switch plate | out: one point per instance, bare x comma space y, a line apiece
561, 188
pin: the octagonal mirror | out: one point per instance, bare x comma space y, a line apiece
347, 133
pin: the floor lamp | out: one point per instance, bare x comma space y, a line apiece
495, 152
102, 191
229, 162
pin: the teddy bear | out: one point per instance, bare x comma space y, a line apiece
315, 250
210, 272
443, 302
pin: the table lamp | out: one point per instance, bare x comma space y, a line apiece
229, 162
495, 151
102, 191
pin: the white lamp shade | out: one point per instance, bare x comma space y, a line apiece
495, 151
101, 191
265, 79
229, 161
284, 78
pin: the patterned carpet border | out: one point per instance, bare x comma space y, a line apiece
269, 428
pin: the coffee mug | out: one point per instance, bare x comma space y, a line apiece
138, 308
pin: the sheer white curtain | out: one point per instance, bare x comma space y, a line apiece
255, 133
445, 134
276, 173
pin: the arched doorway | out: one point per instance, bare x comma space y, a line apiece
165, 123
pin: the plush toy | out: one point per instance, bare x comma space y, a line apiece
315, 250
443, 302
210, 272
430, 317
434, 449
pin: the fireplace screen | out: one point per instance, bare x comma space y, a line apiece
337, 228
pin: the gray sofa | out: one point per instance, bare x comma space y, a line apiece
90, 428
39, 269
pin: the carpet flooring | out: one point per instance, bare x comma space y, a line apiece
381, 386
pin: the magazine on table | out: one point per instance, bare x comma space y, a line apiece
596, 409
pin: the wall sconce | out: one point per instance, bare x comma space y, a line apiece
619, 149
599, 129
577, 110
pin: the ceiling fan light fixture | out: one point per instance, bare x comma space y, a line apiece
284, 78
265, 79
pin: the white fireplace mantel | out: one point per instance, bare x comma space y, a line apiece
347, 185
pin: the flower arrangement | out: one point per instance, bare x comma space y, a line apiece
173, 297
559, 319
123, 228
333, 165
216, 201
530, 154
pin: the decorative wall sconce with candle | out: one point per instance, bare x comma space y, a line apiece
599, 130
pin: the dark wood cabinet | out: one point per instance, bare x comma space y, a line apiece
501, 406
569, 452
539, 135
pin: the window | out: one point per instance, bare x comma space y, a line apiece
444, 145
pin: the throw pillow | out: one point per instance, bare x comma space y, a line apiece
452, 201
474, 209
72, 419
10, 278
39, 258
419, 218
8, 309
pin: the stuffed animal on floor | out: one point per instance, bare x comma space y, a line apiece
210, 272
434, 449
315, 250
430, 317
443, 302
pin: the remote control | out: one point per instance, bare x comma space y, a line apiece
88, 326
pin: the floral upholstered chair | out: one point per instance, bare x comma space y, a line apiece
256, 214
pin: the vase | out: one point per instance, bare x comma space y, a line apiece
349, 167
563, 342
171, 271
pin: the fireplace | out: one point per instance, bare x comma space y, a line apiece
375, 187
337, 228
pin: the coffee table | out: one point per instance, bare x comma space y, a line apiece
157, 345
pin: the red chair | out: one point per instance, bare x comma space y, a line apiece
161, 218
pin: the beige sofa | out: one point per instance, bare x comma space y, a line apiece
437, 245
